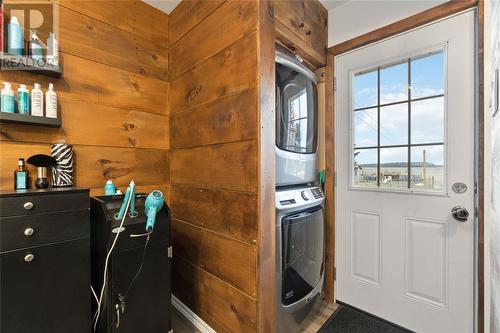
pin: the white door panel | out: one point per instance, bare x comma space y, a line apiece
400, 254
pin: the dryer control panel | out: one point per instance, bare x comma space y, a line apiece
297, 197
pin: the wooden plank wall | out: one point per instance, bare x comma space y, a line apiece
214, 137
113, 97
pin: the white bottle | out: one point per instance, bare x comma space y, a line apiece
53, 50
51, 102
37, 101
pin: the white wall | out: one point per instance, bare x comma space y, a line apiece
357, 17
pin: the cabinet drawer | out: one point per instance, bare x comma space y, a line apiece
25, 231
37, 204
50, 293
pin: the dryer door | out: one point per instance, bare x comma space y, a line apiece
302, 254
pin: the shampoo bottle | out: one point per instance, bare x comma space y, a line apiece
37, 101
15, 37
23, 100
53, 50
51, 102
36, 47
7, 98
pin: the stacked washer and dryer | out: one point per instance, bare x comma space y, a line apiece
300, 245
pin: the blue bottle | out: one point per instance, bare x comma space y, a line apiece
109, 188
7, 98
15, 37
23, 100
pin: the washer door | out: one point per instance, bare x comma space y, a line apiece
302, 254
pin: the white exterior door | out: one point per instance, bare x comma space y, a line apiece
404, 159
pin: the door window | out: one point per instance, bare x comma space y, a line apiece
398, 125
296, 114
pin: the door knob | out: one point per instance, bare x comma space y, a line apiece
460, 213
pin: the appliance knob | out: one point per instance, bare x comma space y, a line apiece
305, 195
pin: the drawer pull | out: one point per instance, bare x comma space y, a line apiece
29, 257
28, 205
29, 232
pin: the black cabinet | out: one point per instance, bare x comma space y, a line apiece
45, 261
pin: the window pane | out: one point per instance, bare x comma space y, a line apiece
427, 168
365, 90
427, 75
365, 128
365, 168
394, 168
394, 124
427, 121
394, 83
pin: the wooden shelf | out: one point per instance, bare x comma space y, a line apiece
27, 64
26, 119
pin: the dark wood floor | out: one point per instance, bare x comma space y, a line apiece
181, 325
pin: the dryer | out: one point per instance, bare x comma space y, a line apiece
296, 121
300, 255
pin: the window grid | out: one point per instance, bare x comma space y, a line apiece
408, 101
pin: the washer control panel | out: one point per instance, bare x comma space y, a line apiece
289, 198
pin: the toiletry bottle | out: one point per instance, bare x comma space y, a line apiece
37, 101
23, 100
21, 176
7, 98
36, 48
51, 102
109, 188
15, 37
53, 50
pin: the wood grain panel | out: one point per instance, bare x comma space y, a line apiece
231, 166
94, 165
229, 22
230, 260
187, 15
304, 24
232, 214
89, 38
266, 260
96, 83
232, 69
330, 182
133, 16
297, 45
219, 302
230, 118
99, 125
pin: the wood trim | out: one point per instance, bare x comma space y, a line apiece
266, 269
480, 167
414, 21
330, 181
425, 17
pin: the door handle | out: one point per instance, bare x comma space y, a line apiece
460, 213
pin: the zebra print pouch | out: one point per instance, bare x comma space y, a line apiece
62, 173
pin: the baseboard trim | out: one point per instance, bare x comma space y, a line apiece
191, 316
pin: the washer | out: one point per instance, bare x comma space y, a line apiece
300, 255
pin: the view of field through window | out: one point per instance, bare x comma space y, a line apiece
398, 125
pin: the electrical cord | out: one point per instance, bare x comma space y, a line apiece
105, 274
